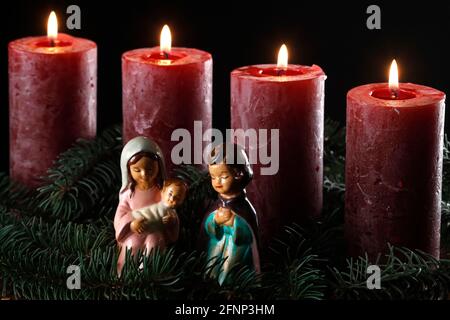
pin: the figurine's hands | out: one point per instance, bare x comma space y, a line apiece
224, 216
170, 218
138, 226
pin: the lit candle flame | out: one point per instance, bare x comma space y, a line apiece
282, 57
52, 26
165, 40
393, 77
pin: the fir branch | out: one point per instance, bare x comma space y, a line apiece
153, 276
26, 269
81, 176
242, 283
299, 278
446, 170
199, 282
18, 197
297, 274
35, 254
199, 199
308, 262
445, 229
406, 274
334, 186
445, 204
334, 156
6, 217
66, 237
34, 269
21, 262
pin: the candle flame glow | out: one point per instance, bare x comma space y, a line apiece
52, 26
282, 57
165, 39
393, 77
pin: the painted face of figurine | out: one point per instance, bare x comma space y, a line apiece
173, 195
144, 172
224, 180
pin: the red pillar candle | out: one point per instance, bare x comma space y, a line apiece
289, 98
163, 89
52, 100
394, 167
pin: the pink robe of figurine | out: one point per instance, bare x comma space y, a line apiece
129, 201
134, 241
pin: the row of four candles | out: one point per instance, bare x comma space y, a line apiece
394, 131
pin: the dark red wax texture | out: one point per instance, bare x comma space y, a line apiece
157, 99
52, 101
294, 104
393, 169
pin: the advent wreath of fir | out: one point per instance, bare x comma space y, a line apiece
69, 221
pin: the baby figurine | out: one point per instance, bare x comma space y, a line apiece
154, 216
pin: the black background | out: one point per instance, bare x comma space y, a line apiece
333, 36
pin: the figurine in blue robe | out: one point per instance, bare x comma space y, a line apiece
231, 229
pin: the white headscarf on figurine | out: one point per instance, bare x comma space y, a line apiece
134, 146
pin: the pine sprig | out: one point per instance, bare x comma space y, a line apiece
22, 263
406, 274
18, 197
66, 237
446, 170
297, 273
200, 283
26, 268
334, 156
298, 278
153, 276
76, 185
445, 217
199, 199
69, 221
242, 283
334, 187
445, 229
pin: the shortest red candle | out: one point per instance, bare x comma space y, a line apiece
52, 99
394, 167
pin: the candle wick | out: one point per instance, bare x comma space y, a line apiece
280, 72
52, 42
166, 55
394, 94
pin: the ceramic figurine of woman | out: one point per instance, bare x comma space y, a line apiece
143, 174
231, 229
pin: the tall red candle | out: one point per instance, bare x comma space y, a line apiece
163, 89
52, 100
394, 168
289, 98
